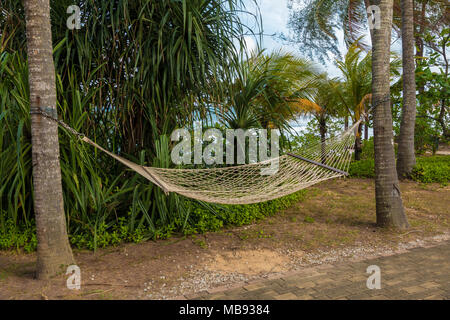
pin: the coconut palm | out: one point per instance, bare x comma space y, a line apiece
53, 243
323, 104
291, 79
266, 91
354, 91
389, 206
406, 152
314, 24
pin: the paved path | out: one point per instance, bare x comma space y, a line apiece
420, 273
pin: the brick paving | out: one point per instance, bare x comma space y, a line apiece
420, 273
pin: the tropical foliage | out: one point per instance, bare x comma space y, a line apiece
131, 74
137, 70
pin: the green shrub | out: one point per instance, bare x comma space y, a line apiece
111, 235
426, 136
362, 169
12, 236
202, 220
367, 151
427, 169
432, 169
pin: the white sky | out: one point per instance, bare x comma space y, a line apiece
275, 16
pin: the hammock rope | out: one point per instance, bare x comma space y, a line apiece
245, 184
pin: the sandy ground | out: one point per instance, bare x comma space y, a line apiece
335, 222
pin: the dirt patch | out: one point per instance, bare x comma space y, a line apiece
444, 149
335, 222
249, 262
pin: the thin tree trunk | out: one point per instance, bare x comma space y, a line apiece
441, 120
323, 132
358, 143
389, 206
366, 130
406, 154
419, 37
443, 111
53, 249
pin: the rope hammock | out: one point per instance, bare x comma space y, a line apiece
244, 184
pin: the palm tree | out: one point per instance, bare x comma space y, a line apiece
53, 248
354, 91
323, 104
289, 80
266, 91
314, 24
406, 155
389, 206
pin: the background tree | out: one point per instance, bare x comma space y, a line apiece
406, 158
389, 206
314, 26
265, 91
353, 92
432, 76
53, 248
323, 106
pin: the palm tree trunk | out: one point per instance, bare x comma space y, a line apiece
53, 248
406, 155
389, 206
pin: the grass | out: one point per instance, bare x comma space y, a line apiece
344, 219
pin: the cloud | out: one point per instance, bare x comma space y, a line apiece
251, 44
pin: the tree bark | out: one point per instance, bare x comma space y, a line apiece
406, 158
389, 206
53, 249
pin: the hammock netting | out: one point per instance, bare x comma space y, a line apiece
245, 184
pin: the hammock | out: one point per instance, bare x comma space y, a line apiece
244, 184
